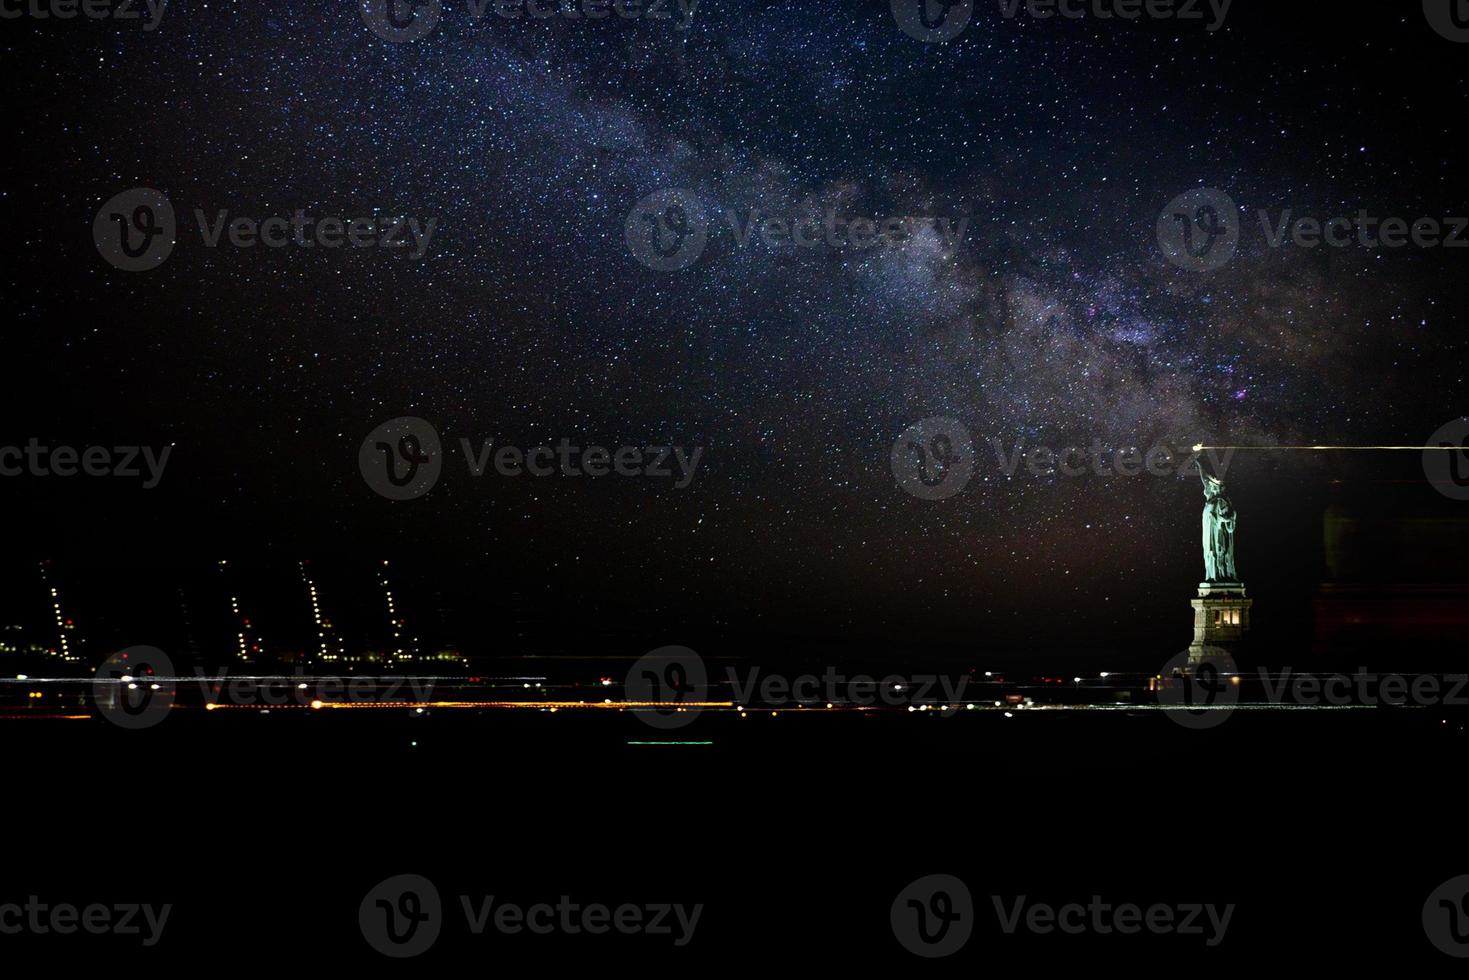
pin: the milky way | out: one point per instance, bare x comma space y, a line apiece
1057, 320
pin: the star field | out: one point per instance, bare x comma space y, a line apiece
1056, 321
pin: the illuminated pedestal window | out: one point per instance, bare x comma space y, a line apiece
1221, 620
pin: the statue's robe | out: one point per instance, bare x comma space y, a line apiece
1218, 527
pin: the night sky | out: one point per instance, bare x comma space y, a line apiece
1056, 321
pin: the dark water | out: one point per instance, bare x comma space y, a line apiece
795, 831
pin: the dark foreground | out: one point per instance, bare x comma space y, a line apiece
1327, 830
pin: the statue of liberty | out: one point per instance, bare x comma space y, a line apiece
1219, 523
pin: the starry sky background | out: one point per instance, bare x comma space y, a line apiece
1058, 321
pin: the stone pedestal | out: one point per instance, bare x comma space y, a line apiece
1221, 620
